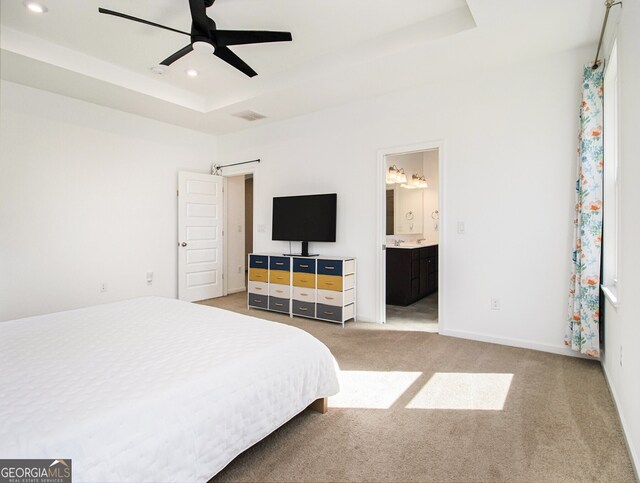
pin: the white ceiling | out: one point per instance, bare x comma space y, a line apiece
341, 51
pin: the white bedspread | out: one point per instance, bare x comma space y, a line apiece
152, 389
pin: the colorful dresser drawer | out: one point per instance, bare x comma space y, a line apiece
278, 304
304, 294
307, 280
304, 265
258, 274
330, 282
330, 267
279, 290
329, 312
260, 288
256, 300
258, 261
280, 276
331, 297
280, 263
306, 309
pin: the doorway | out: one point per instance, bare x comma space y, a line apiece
410, 212
239, 230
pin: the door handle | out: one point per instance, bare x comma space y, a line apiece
183, 244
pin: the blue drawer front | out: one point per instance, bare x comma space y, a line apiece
279, 263
305, 265
330, 267
258, 261
278, 304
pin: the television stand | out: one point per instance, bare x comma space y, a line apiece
304, 252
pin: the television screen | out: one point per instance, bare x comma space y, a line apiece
305, 218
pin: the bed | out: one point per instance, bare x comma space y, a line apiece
152, 389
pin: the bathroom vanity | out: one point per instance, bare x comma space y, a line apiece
412, 273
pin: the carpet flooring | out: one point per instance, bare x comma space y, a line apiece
417, 406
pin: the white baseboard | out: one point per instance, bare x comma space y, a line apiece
524, 344
236, 290
627, 439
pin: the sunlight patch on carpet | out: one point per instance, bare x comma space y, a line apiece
458, 390
371, 389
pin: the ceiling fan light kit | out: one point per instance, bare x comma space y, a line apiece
207, 38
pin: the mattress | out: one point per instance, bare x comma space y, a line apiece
152, 389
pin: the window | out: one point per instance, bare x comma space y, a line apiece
611, 179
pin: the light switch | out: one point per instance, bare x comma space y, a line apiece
461, 228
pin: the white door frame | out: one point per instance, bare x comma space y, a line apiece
228, 173
381, 232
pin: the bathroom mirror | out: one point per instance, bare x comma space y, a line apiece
405, 211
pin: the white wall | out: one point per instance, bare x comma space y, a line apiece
87, 195
622, 325
509, 164
431, 195
234, 239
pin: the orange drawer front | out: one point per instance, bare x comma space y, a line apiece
258, 274
280, 276
330, 282
301, 279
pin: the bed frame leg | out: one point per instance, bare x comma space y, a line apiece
320, 405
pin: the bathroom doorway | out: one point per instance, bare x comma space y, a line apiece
412, 239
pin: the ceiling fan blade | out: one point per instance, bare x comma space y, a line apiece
178, 55
136, 19
232, 59
240, 37
199, 17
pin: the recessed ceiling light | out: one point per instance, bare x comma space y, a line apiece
159, 69
35, 7
192, 73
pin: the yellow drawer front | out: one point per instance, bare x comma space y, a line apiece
307, 280
280, 276
258, 274
330, 282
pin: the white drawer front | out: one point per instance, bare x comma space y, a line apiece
349, 282
258, 287
349, 267
304, 294
330, 297
347, 312
280, 291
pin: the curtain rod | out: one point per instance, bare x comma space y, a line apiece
215, 168
608, 4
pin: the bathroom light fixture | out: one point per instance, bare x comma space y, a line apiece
192, 73
417, 182
35, 7
396, 175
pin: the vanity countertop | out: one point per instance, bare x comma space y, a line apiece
410, 246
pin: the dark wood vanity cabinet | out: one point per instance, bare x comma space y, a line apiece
412, 273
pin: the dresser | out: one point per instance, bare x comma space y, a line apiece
322, 288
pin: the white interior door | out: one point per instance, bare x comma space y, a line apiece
200, 240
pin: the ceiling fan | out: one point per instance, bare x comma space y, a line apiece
206, 37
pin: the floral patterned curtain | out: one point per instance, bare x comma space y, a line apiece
582, 332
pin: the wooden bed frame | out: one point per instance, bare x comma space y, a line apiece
320, 405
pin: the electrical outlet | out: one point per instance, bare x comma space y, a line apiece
239, 269
103, 287
495, 303
261, 228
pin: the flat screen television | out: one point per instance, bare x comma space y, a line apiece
309, 218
